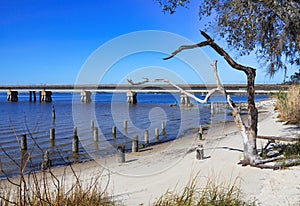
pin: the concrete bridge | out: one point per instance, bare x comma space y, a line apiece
45, 91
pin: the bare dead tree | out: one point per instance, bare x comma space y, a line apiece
248, 131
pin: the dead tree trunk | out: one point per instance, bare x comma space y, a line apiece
248, 131
250, 151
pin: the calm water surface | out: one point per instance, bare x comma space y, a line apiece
107, 110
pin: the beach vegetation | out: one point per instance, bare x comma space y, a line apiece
45, 187
288, 105
212, 194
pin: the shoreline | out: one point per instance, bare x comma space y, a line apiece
153, 171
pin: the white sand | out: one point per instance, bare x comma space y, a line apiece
169, 167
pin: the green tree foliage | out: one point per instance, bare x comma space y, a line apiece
271, 28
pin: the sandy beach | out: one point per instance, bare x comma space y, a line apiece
153, 171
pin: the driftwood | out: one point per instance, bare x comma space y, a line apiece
273, 138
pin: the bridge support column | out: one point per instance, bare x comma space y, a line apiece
12, 96
45, 96
131, 97
86, 96
185, 100
32, 94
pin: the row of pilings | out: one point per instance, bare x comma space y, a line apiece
135, 144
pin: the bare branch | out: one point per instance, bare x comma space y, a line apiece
138, 83
202, 101
181, 48
287, 139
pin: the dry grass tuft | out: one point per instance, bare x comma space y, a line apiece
212, 194
288, 105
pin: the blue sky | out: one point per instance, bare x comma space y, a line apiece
48, 42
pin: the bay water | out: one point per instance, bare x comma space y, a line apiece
106, 110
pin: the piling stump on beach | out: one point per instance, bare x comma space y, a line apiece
200, 132
157, 134
200, 152
23, 142
146, 137
135, 144
46, 161
75, 142
121, 154
52, 133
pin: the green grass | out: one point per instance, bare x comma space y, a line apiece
212, 194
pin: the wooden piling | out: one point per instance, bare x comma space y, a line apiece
75, 141
23, 142
125, 126
146, 137
200, 152
212, 108
92, 125
163, 128
121, 154
52, 133
157, 134
135, 144
96, 138
200, 132
46, 161
53, 113
114, 132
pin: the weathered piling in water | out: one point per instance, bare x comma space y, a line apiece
200, 152
114, 132
163, 128
146, 137
46, 161
53, 113
92, 125
23, 142
135, 144
96, 137
121, 154
212, 108
75, 141
157, 134
125, 126
200, 132
52, 133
